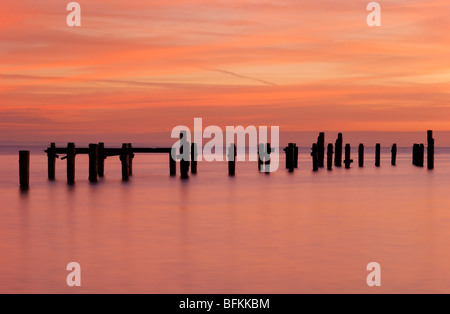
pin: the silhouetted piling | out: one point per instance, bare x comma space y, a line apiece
421, 155
394, 155
232, 160
194, 153
321, 149
51, 156
93, 162
101, 160
290, 157
330, 157
71, 152
125, 160
315, 157
430, 151
338, 151
173, 163
361, 155
348, 161
24, 169
185, 156
378, 155
295, 156
131, 157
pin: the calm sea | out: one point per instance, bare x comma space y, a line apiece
255, 233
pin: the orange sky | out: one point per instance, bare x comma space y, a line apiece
140, 67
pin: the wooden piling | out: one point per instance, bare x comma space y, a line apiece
260, 161
421, 155
415, 153
71, 153
394, 155
131, 157
290, 157
173, 163
430, 150
93, 162
295, 156
378, 155
315, 159
194, 154
361, 155
101, 160
338, 151
51, 156
348, 161
24, 169
321, 149
232, 160
330, 157
184, 164
125, 160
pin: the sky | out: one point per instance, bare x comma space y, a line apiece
135, 69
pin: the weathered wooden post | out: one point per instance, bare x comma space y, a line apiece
430, 151
260, 161
295, 156
51, 156
415, 158
101, 160
330, 157
93, 162
338, 151
421, 155
185, 156
348, 161
194, 154
290, 157
394, 155
232, 160
71, 153
130, 158
24, 169
361, 155
321, 149
125, 160
378, 155
315, 159
173, 162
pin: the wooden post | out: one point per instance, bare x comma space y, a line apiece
173, 163
232, 160
348, 161
184, 164
394, 155
71, 153
330, 157
421, 155
290, 157
361, 155
267, 159
260, 161
295, 156
321, 149
194, 153
430, 151
51, 156
125, 160
101, 160
378, 155
338, 151
415, 161
314, 155
93, 162
131, 157
24, 169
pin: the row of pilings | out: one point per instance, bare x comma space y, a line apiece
98, 153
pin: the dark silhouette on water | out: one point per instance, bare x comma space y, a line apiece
330, 157
232, 160
24, 169
93, 162
348, 161
378, 155
430, 153
394, 155
361, 155
321, 149
338, 151
291, 159
315, 157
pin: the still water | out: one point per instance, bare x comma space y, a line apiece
255, 233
